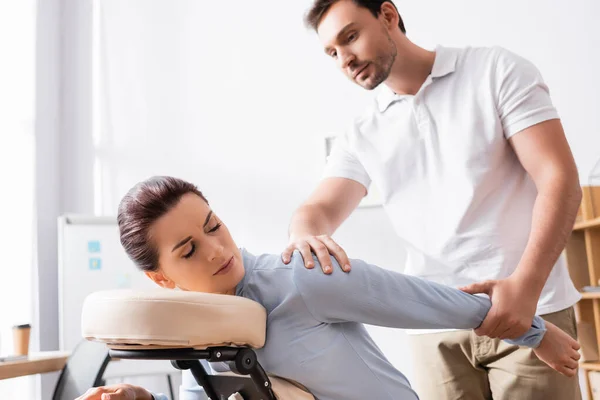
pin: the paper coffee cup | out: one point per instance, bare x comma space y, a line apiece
21, 339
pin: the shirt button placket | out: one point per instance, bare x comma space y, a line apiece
420, 114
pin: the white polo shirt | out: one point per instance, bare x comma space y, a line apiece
450, 181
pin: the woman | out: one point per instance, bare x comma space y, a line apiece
315, 332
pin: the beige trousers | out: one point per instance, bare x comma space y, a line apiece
460, 365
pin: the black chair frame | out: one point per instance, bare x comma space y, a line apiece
241, 361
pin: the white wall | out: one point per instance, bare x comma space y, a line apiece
17, 91
47, 128
238, 102
63, 171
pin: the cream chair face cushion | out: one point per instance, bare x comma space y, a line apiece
171, 319
163, 318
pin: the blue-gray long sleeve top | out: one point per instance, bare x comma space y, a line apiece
315, 331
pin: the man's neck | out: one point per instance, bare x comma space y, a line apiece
411, 69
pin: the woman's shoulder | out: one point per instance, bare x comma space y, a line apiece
262, 262
266, 264
271, 265
267, 279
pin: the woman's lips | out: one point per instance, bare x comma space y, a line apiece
225, 268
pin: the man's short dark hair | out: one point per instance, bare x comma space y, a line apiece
320, 7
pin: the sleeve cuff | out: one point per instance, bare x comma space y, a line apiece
366, 182
528, 121
533, 337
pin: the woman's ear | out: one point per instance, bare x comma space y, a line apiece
160, 279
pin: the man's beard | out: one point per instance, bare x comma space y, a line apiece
382, 66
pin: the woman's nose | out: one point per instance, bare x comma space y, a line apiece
216, 251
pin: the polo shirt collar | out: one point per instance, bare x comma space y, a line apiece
444, 64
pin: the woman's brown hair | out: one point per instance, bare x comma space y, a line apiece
145, 203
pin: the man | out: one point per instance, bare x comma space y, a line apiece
477, 177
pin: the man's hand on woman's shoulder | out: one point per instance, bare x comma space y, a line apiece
323, 246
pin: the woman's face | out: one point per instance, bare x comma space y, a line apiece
196, 251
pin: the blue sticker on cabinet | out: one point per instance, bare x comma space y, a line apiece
94, 246
95, 264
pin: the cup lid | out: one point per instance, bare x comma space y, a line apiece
22, 326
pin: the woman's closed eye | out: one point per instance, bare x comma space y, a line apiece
191, 252
216, 228
193, 245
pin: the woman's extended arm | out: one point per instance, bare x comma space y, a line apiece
376, 296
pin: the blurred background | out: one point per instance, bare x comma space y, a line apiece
237, 97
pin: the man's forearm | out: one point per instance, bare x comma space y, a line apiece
553, 217
310, 219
